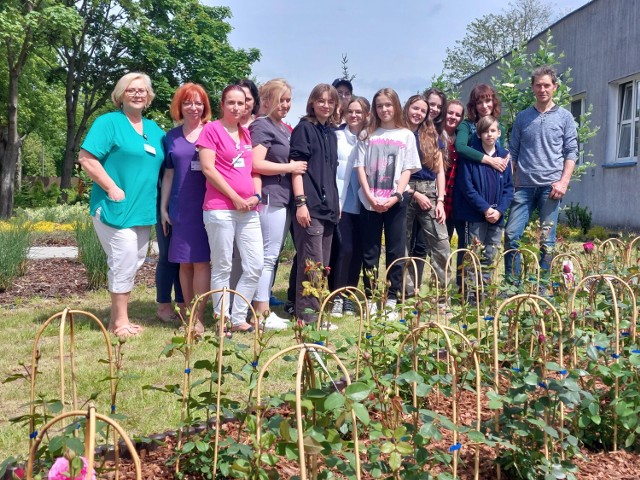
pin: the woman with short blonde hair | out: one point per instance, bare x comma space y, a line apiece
123, 153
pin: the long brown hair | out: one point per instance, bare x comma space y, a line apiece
427, 135
480, 92
398, 119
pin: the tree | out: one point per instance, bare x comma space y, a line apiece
490, 37
345, 68
25, 25
514, 89
174, 41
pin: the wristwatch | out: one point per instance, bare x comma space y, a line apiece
258, 196
398, 195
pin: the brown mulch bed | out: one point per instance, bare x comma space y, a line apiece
55, 278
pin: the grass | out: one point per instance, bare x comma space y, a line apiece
147, 411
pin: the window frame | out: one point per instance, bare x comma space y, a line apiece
581, 97
633, 122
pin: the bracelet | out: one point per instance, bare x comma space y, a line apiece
300, 200
398, 195
258, 196
440, 200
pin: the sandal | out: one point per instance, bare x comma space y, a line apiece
243, 328
167, 317
126, 331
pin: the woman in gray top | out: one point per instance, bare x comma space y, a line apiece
270, 138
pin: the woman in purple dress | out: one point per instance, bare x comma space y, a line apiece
183, 189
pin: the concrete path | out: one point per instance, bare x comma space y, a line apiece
39, 253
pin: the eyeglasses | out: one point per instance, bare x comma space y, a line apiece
136, 92
192, 104
344, 94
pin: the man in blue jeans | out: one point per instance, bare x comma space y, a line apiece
544, 150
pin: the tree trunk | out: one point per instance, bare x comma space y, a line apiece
12, 149
71, 102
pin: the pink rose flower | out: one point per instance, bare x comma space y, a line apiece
588, 247
61, 467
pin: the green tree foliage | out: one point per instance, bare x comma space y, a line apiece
174, 41
183, 40
514, 88
25, 25
490, 37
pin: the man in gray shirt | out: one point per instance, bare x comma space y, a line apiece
544, 150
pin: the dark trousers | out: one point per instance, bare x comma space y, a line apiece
394, 224
167, 273
346, 253
312, 244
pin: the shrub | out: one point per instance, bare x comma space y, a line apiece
597, 232
91, 254
578, 216
15, 239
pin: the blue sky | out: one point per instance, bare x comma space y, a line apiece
389, 44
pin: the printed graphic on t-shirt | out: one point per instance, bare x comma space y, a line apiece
383, 153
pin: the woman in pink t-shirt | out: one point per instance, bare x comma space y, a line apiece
233, 192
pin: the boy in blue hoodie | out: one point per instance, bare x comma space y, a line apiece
484, 193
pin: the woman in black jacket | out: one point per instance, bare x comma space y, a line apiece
315, 192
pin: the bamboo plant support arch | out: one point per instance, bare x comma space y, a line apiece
90, 440
542, 329
521, 252
445, 331
187, 361
629, 251
359, 298
304, 350
406, 263
619, 251
609, 279
477, 280
64, 315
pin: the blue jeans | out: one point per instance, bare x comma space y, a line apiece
525, 201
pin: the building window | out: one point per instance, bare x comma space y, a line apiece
577, 110
628, 121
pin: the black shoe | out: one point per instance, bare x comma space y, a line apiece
290, 307
348, 308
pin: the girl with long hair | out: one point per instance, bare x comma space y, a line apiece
385, 162
427, 186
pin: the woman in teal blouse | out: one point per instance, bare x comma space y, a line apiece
122, 154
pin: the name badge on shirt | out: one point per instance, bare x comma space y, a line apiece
196, 166
149, 149
238, 161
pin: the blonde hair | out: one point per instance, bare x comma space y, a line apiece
427, 135
125, 81
271, 93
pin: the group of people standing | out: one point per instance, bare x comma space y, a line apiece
232, 188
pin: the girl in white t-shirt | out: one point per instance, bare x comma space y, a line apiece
384, 164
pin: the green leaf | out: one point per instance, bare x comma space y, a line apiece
187, 447
202, 446
334, 401
387, 447
395, 460
357, 391
361, 413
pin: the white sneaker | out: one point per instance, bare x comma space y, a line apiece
274, 322
329, 326
338, 305
390, 310
393, 316
372, 307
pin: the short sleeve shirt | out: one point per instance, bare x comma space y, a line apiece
384, 156
133, 162
276, 189
234, 161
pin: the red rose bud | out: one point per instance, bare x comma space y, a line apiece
588, 247
541, 338
566, 268
573, 315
